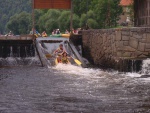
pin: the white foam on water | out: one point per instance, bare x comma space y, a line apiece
17, 61
98, 73
146, 67
133, 75
145, 71
11, 61
77, 70
90, 72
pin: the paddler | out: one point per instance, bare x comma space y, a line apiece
59, 53
44, 34
65, 58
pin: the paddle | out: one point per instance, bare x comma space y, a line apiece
48, 55
76, 61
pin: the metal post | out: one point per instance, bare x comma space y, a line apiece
86, 11
71, 17
33, 31
33, 19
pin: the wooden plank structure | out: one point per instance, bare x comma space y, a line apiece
17, 46
142, 13
52, 4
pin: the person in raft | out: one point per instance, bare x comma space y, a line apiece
59, 53
44, 34
65, 58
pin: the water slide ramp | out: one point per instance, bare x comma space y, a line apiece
48, 45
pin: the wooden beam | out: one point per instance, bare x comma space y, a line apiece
52, 4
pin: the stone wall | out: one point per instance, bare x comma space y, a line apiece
110, 47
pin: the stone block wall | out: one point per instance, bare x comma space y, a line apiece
108, 47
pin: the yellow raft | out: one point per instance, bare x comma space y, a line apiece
56, 61
65, 35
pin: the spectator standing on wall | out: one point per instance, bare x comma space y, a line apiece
66, 32
44, 34
57, 31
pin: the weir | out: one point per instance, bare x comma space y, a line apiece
17, 46
25, 46
48, 45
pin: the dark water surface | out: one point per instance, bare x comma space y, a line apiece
35, 89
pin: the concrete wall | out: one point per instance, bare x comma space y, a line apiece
108, 47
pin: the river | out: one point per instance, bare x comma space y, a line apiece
31, 88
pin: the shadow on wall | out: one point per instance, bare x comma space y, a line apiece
87, 54
122, 65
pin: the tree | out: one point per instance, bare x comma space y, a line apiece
92, 23
95, 13
107, 12
49, 20
20, 23
64, 20
89, 19
81, 6
12, 7
37, 14
76, 21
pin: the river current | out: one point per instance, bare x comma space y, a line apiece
30, 88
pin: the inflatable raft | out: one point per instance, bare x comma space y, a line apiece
65, 35
60, 35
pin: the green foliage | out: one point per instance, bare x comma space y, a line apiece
107, 12
49, 20
64, 20
89, 19
20, 23
94, 13
81, 6
83, 20
76, 21
92, 23
9, 8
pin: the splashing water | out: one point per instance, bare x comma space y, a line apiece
76, 70
17, 61
90, 72
133, 75
144, 74
146, 67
